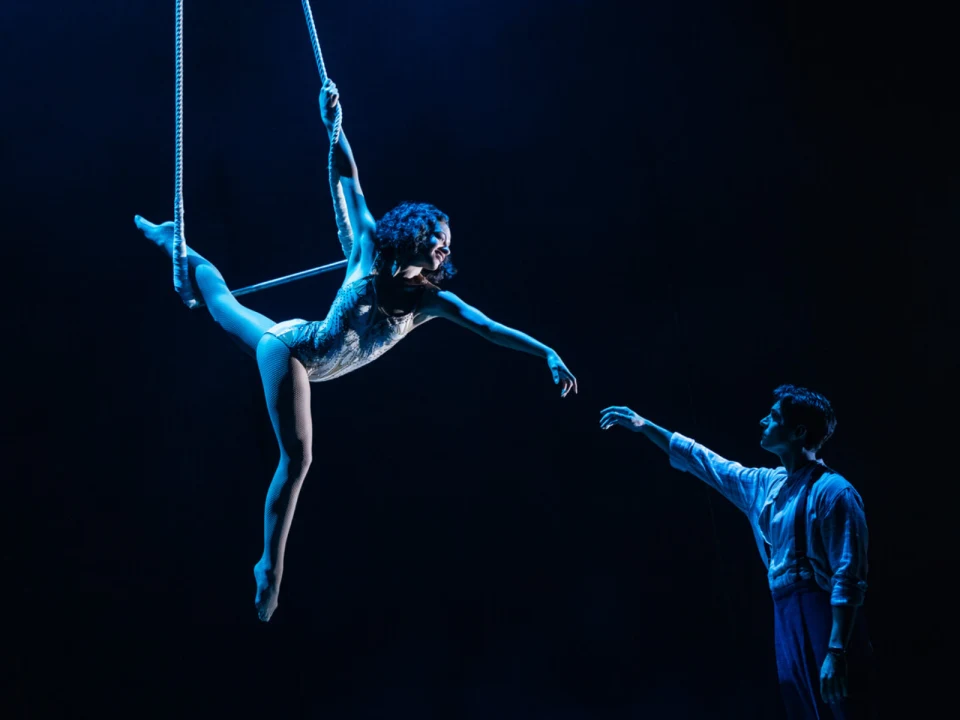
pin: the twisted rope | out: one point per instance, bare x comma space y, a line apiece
181, 277
344, 231
312, 29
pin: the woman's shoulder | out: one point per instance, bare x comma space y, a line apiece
356, 284
425, 285
363, 265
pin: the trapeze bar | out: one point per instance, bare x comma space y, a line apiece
288, 278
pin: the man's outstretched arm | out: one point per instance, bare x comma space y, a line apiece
740, 485
629, 419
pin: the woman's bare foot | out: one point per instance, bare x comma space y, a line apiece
161, 235
268, 588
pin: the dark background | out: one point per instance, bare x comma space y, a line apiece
691, 201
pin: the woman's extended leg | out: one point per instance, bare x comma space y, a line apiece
244, 325
287, 392
286, 388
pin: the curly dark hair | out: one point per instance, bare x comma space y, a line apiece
406, 231
800, 406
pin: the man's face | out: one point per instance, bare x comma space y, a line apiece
777, 437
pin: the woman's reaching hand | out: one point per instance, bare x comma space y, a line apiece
561, 374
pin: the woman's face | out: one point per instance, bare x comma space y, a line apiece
437, 250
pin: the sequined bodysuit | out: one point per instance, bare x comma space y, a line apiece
357, 330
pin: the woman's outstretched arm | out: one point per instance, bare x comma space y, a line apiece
345, 167
447, 305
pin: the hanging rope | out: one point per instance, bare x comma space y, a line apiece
181, 276
312, 29
344, 230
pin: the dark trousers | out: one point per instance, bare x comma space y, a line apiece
803, 618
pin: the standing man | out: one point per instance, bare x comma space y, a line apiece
811, 531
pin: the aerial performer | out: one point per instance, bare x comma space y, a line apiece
395, 269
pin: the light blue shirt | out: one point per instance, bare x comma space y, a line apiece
836, 524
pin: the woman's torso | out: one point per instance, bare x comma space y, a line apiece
368, 316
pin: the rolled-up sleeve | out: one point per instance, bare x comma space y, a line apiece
844, 532
740, 485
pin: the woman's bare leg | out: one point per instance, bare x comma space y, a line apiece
287, 391
244, 325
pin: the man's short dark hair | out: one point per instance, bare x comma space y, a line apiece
800, 406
